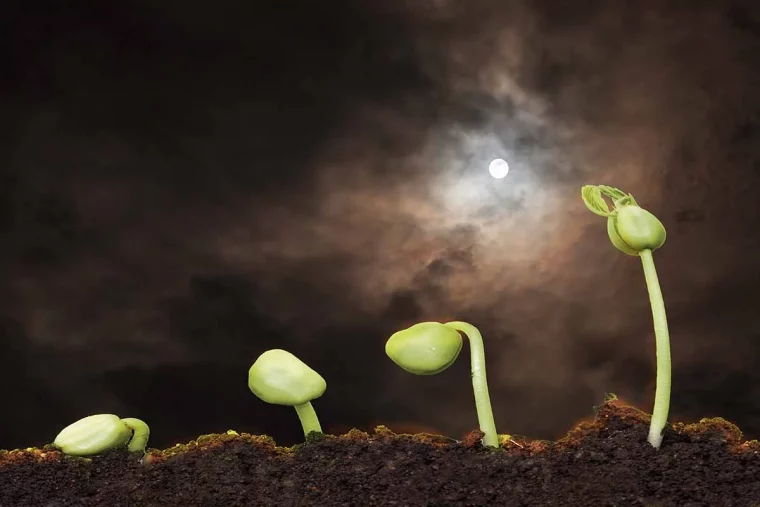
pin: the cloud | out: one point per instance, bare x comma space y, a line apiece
330, 178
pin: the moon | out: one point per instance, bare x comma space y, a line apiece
498, 168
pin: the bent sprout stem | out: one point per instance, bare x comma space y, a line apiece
140, 434
428, 348
662, 346
479, 382
308, 418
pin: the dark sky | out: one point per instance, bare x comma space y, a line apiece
185, 185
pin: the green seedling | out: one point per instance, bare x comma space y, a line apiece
280, 378
635, 231
428, 348
97, 433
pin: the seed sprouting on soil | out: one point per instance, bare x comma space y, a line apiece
280, 378
101, 432
428, 348
635, 231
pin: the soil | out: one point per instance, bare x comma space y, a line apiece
601, 462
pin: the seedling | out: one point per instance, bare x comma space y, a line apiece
280, 378
428, 348
635, 231
97, 433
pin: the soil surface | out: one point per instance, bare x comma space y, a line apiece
603, 462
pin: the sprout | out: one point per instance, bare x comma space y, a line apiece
635, 231
97, 433
280, 378
431, 347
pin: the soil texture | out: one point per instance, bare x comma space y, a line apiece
601, 462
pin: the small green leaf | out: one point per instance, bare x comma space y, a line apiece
613, 193
594, 201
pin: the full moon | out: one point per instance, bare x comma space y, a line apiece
498, 168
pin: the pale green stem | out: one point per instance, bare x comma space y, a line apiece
479, 382
140, 434
662, 345
308, 418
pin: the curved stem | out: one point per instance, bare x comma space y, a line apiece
662, 345
308, 418
479, 382
140, 434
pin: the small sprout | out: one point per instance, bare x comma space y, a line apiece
635, 231
280, 378
428, 348
98, 433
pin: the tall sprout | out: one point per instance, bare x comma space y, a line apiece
635, 231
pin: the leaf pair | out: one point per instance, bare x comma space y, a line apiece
592, 197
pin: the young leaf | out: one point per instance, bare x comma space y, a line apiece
613, 193
594, 201
618, 197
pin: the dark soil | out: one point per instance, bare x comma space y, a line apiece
604, 462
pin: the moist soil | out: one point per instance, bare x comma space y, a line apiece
601, 462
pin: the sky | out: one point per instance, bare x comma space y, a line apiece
183, 187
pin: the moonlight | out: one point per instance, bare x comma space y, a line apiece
498, 168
